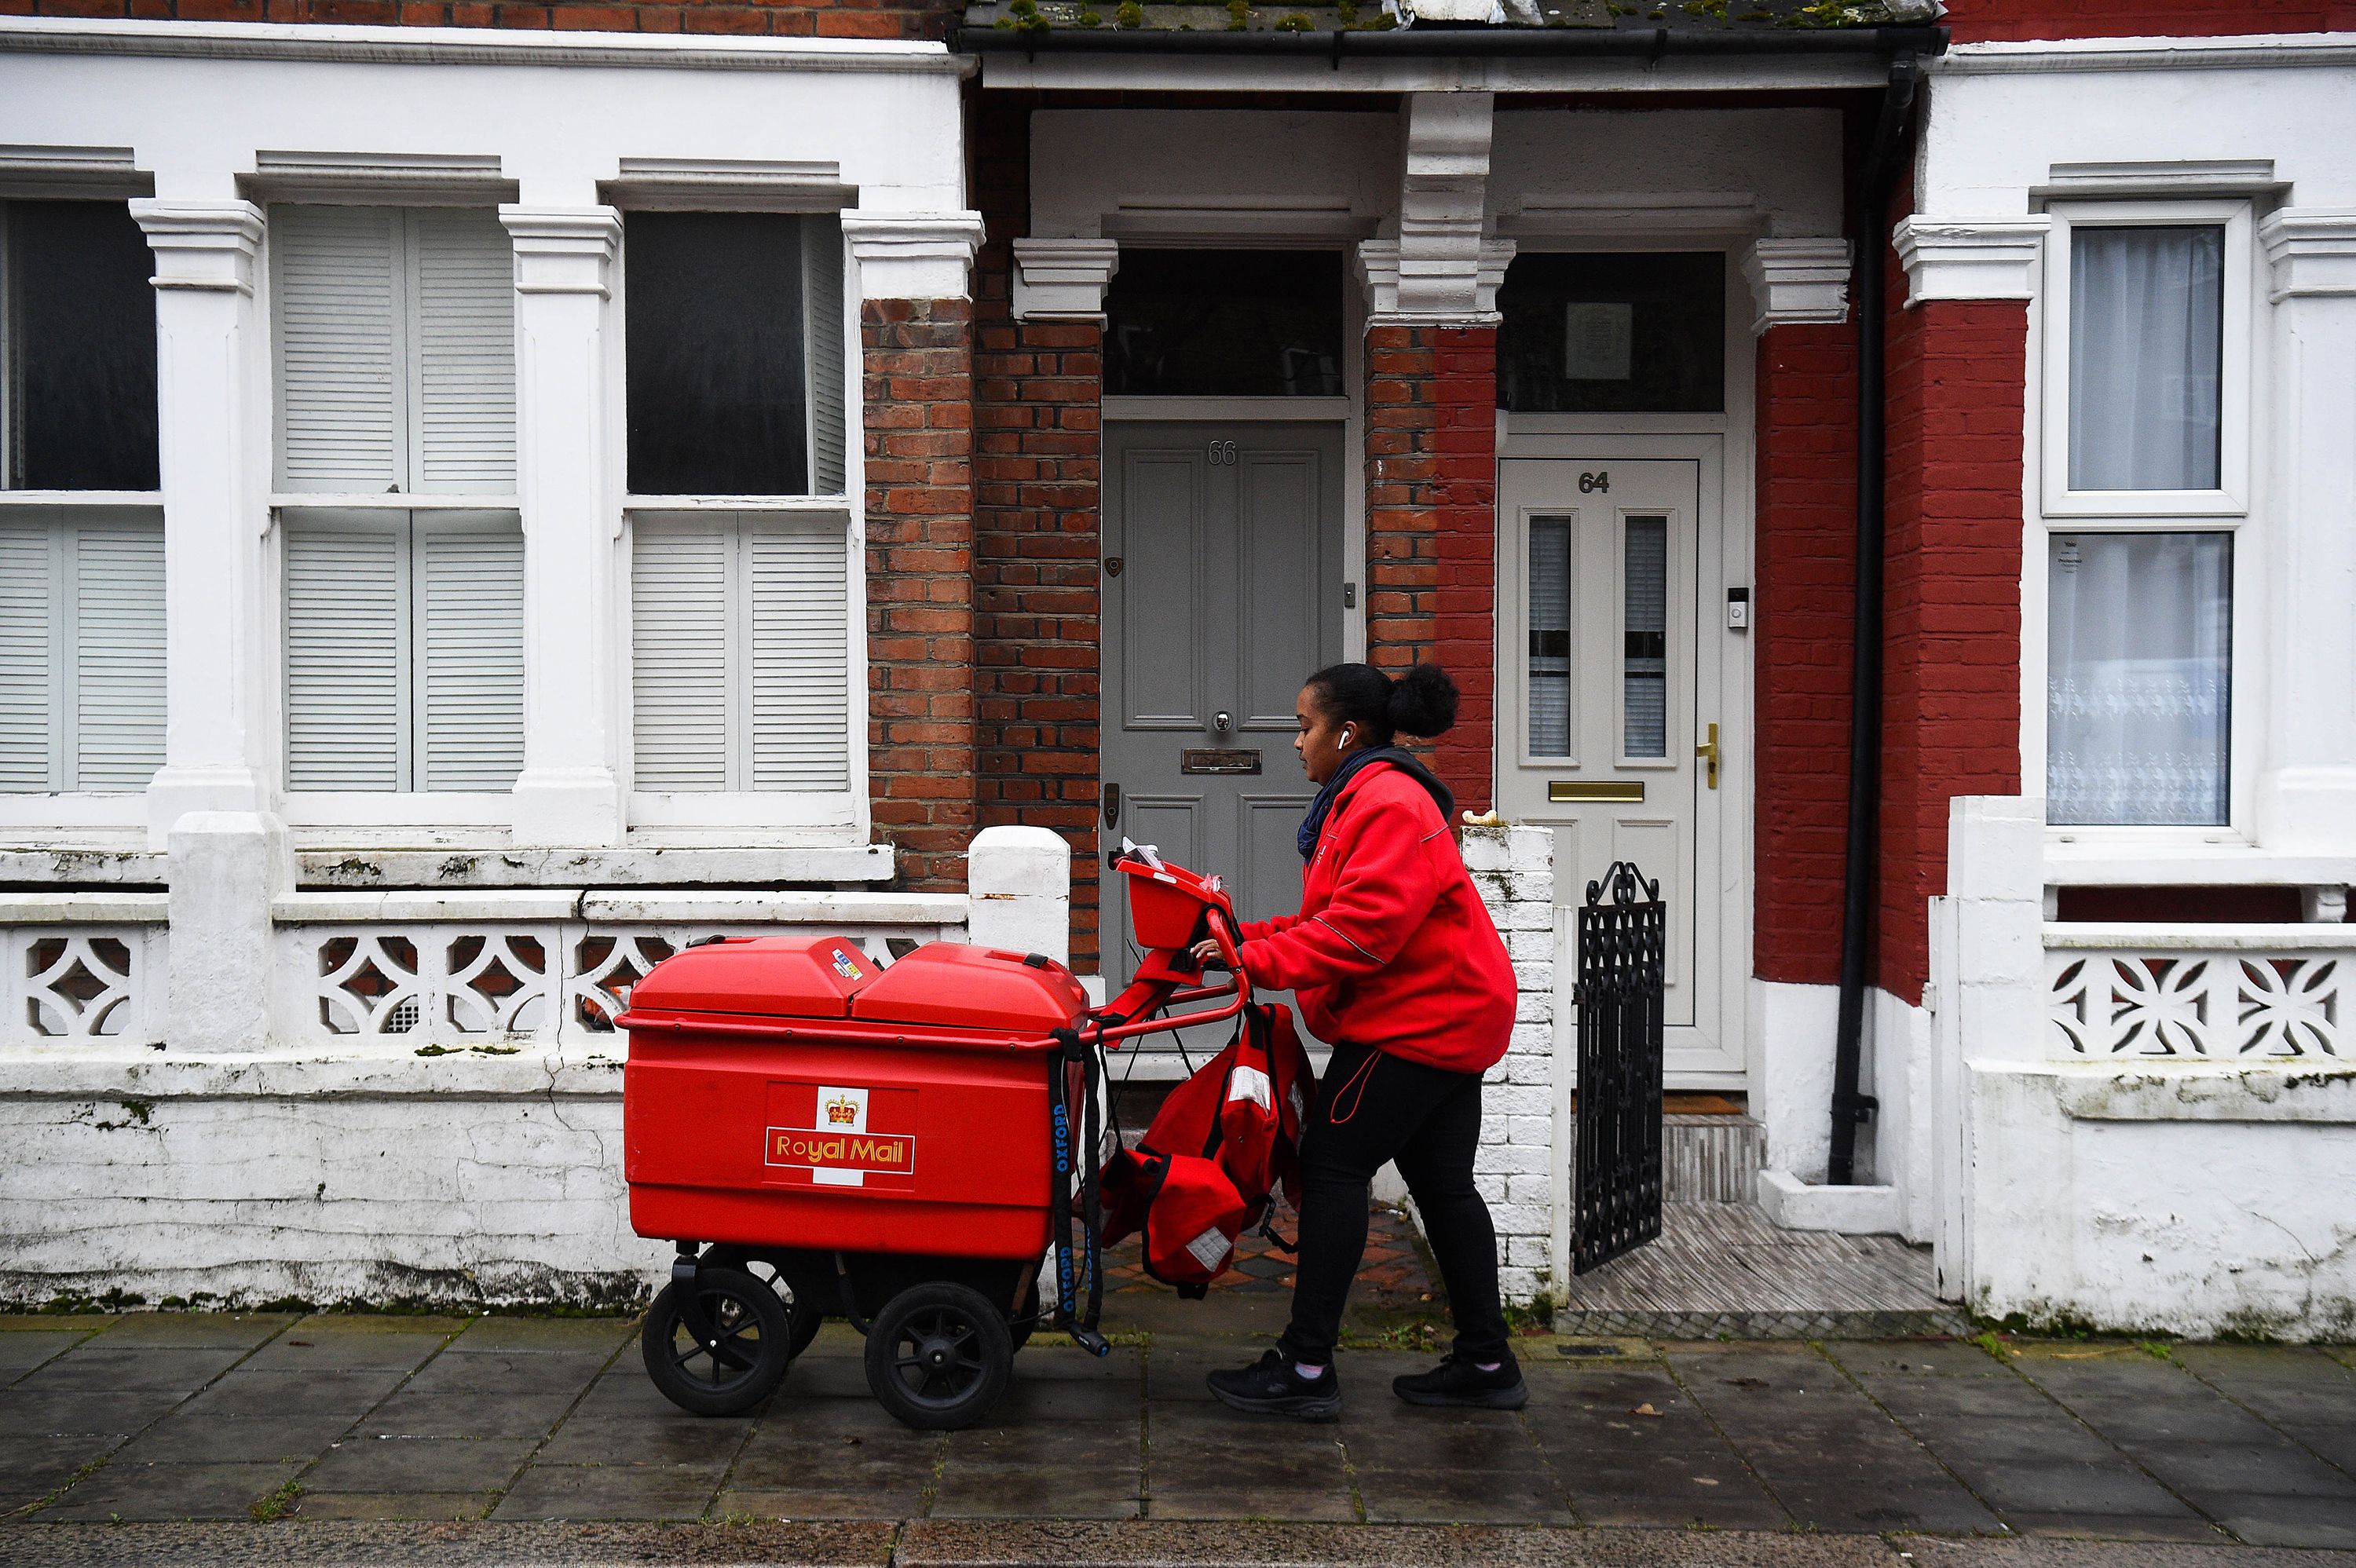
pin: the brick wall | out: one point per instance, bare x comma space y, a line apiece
824, 18
1431, 509
1804, 583
1513, 1166
918, 374
1958, 380
1039, 387
1978, 21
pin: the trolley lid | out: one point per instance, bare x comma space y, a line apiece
764, 976
954, 985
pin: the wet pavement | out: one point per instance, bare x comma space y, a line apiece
333, 1417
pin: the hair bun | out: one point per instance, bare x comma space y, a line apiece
1423, 701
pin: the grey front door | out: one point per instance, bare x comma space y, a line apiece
1221, 590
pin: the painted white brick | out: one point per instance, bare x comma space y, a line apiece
1537, 887
1522, 916
1491, 1187
1518, 1286
1519, 1219
1537, 1130
1535, 975
1529, 947
1512, 1160
1531, 1040
1531, 848
1536, 1192
1516, 1100
1531, 1252
1485, 850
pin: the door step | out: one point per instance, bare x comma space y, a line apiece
1710, 1159
1725, 1269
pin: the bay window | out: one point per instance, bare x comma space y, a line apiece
401, 556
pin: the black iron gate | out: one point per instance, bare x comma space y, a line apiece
1617, 1197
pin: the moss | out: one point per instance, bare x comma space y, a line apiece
1239, 15
1295, 23
1129, 13
1091, 19
276, 1505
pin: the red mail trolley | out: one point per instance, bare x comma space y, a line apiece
823, 1135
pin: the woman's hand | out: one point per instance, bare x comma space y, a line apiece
1205, 954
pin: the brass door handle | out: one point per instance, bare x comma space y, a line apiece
1707, 752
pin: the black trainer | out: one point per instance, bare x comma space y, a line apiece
1456, 1382
1271, 1387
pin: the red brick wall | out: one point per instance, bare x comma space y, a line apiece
822, 18
1039, 387
1802, 589
1976, 21
1958, 377
918, 373
1431, 524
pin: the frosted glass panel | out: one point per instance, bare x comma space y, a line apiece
2146, 325
2138, 690
1645, 632
1550, 703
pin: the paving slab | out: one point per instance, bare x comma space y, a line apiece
609, 1491
1619, 1466
131, 1490
1828, 1453
599, 1337
2300, 1391
2217, 1456
832, 1458
1206, 1461
395, 1465
2025, 1456
353, 1342
624, 1420
33, 1468
68, 1413
99, 1365
452, 1506
22, 1349
245, 1331
486, 1395
1071, 1469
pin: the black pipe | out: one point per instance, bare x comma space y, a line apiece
1850, 1108
1635, 43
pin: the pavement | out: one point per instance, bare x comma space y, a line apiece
382, 1438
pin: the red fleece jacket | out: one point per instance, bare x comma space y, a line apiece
1393, 948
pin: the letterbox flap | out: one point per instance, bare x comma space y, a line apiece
954, 985
764, 977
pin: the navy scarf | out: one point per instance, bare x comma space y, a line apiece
1398, 757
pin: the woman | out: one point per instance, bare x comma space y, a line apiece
1395, 960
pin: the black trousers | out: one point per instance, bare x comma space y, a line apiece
1372, 1110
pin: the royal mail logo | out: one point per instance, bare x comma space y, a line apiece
842, 1112
886, 1153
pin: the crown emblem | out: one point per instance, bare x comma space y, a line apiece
844, 1110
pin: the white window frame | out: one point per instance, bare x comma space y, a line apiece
373, 808
670, 814
2230, 509
2237, 308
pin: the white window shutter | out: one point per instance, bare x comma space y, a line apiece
469, 577
801, 657
28, 638
679, 665
337, 280
118, 653
462, 345
346, 652
822, 313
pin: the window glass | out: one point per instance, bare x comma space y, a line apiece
1237, 324
2146, 335
2138, 687
1645, 666
82, 649
77, 348
404, 650
1613, 332
1550, 702
739, 672
734, 321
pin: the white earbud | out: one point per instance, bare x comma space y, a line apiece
1345, 737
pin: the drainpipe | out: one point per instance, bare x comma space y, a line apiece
1850, 1108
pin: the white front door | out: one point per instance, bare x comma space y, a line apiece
1610, 701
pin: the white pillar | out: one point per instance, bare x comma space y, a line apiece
1020, 881
212, 400
2306, 786
226, 868
1063, 280
1444, 267
570, 790
1797, 281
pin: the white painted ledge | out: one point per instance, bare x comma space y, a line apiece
2320, 1091
84, 908
362, 1071
1797, 1205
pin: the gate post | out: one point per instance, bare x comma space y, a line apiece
1019, 892
1514, 1165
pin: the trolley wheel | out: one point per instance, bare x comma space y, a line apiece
938, 1355
746, 1364
803, 1318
